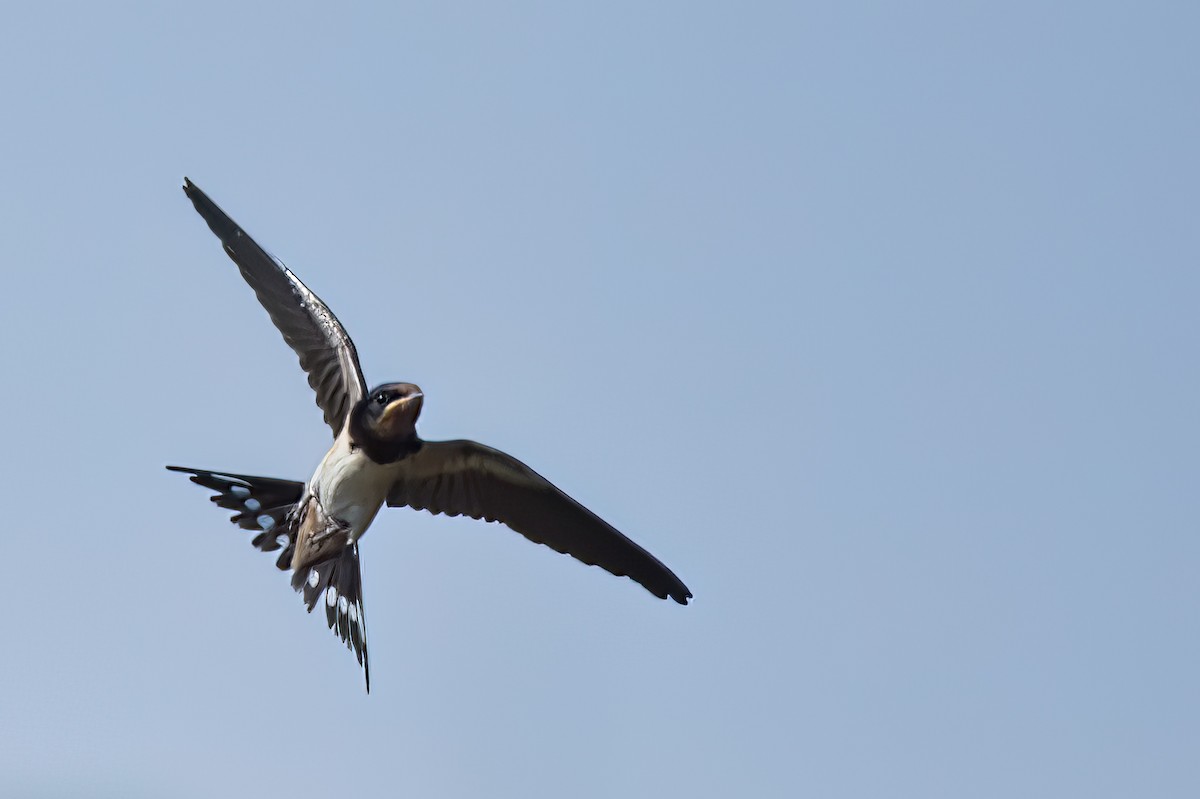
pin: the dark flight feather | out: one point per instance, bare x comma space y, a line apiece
336, 584
326, 352
261, 503
470, 479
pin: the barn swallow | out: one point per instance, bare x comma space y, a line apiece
378, 457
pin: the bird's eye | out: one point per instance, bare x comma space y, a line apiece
381, 399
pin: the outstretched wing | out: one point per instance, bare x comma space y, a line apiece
308, 326
470, 479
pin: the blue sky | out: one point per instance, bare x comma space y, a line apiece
876, 323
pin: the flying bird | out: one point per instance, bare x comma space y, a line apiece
378, 457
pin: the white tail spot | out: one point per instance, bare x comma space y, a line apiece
313, 578
331, 596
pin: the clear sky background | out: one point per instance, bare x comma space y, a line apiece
877, 322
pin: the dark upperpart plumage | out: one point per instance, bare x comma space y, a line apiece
377, 456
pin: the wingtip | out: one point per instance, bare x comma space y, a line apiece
194, 193
681, 596
679, 592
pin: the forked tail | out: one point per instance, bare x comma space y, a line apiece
269, 505
261, 503
339, 579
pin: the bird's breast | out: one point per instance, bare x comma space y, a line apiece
350, 486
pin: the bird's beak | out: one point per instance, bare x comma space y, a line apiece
401, 410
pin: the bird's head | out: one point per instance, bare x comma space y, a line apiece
389, 413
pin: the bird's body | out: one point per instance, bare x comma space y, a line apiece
377, 457
350, 486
